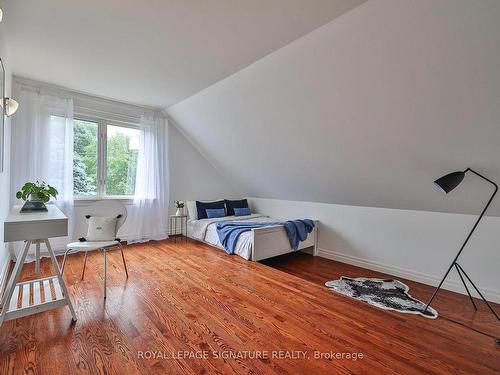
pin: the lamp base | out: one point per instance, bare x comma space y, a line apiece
461, 271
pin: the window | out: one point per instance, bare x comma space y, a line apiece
85, 164
122, 146
105, 159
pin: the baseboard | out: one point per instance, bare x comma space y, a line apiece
3, 276
452, 285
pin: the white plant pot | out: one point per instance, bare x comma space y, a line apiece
179, 212
34, 198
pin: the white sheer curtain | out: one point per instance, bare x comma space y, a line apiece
148, 217
42, 149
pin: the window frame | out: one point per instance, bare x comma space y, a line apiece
102, 142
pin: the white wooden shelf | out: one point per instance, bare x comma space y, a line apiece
35, 296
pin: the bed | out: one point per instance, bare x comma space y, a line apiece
257, 244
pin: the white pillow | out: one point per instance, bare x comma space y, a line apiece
192, 211
101, 229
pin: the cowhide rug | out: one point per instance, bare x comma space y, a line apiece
386, 294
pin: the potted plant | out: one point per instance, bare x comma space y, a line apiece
180, 208
35, 195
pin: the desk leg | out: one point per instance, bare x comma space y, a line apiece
13, 280
37, 256
59, 277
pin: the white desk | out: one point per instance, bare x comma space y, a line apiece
34, 228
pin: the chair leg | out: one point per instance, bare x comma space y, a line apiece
84, 264
123, 258
105, 261
64, 260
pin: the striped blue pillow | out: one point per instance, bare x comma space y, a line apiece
215, 212
242, 211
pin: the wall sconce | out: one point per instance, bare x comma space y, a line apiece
10, 106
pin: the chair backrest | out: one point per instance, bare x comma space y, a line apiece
108, 208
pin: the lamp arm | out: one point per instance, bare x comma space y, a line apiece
468, 237
482, 213
484, 178
489, 201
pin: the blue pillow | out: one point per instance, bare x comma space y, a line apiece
215, 212
242, 211
201, 207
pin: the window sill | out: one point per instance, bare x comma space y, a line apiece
85, 201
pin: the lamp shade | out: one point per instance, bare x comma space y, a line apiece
449, 182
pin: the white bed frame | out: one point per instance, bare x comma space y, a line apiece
268, 242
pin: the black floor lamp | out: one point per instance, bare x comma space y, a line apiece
446, 184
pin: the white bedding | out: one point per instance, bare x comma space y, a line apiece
206, 230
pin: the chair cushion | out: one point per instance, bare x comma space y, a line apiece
91, 245
101, 228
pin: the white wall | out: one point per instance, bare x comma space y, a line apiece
367, 110
5, 175
417, 245
192, 177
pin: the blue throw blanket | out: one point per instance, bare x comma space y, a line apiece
230, 231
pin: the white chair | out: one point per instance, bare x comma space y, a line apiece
103, 208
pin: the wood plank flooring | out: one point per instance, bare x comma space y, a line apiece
187, 299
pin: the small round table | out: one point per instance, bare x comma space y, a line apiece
173, 226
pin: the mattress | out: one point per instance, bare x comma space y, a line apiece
206, 230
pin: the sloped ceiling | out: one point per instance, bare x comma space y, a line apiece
367, 110
153, 52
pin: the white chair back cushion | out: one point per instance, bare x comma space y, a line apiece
101, 228
108, 208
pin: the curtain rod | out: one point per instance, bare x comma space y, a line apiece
43, 87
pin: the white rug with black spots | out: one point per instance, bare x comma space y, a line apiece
386, 294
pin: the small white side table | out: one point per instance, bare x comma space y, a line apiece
34, 228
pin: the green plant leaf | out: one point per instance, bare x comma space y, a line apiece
42, 190
52, 191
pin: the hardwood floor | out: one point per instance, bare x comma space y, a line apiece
188, 299
451, 306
